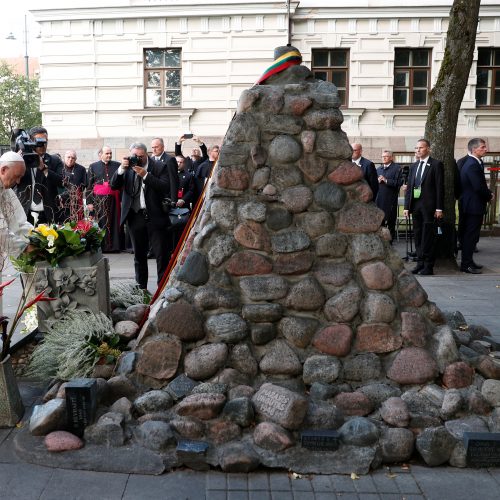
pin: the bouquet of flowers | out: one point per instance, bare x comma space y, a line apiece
52, 243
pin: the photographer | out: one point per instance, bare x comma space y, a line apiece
197, 156
146, 183
38, 188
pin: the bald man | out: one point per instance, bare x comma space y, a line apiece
13, 224
368, 167
71, 195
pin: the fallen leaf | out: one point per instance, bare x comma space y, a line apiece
391, 476
296, 476
354, 476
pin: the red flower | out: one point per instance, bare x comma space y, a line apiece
4, 284
84, 226
41, 297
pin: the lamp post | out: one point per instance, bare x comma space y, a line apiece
11, 36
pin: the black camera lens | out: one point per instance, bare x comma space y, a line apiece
134, 160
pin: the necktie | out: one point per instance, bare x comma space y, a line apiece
37, 197
137, 193
418, 176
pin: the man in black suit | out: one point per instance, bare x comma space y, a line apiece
368, 167
71, 195
424, 199
475, 196
197, 156
38, 188
145, 185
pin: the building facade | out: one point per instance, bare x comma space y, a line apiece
116, 71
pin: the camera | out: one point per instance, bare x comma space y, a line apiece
134, 160
21, 142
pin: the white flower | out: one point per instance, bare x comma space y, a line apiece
50, 241
51, 250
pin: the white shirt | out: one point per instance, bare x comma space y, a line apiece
14, 227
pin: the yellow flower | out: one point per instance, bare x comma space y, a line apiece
46, 231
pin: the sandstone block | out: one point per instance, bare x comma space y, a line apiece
253, 235
334, 339
248, 263
293, 263
346, 173
414, 329
159, 357
458, 375
377, 337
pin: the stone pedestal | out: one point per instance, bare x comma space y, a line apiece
80, 282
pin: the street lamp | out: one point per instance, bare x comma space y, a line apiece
11, 36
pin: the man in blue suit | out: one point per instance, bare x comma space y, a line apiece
368, 167
475, 196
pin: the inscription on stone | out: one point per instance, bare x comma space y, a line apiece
320, 440
271, 403
81, 404
482, 448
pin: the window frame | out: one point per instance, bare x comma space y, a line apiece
411, 68
162, 70
494, 68
330, 69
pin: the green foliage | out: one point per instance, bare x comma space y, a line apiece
125, 293
70, 347
19, 102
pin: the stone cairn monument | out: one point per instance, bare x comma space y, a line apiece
290, 334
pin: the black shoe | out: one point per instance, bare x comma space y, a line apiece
417, 269
470, 270
476, 266
426, 271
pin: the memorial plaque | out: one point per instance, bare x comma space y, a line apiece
193, 454
181, 386
482, 448
81, 404
320, 439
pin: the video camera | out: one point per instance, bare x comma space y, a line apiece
21, 142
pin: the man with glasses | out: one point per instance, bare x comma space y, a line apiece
39, 186
146, 183
71, 194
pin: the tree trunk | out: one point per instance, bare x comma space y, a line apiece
445, 100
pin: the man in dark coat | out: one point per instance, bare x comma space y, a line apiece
39, 186
205, 169
197, 156
390, 180
424, 199
145, 186
102, 201
74, 184
474, 198
368, 167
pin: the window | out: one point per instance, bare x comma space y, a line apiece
162, 78
412, 73
332, 65
488, 77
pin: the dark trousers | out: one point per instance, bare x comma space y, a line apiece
471, 230
423, 230
141, 231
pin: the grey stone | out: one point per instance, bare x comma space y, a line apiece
330, 196
333, 144
222, 247
262, 313
238, 457
194, 270
278, 218
280, 406
123, 406
252, 211
283, 177
271, 436
363, 367
323, 415
359, 431
344, 305
204, 406
332, 273
259, 155
461, 337
212, 297
126, 330
181, 386
321, 392
202, 236
118, 314
296, 198
107, 431
396, 445
443, 348
434, 394
378, 308
226, 327
494, 420
395, 412
290, 241
306, 295
323, 119
153, 401
241, 359
491, 391
321, 368
280, 359
467, 424
239, 411
315, 224
231, 378
264, 287
480, 347
260, 178
243, 128
435, 445
136, 312
331, 245
281, 124
298, 330
48, 417
233, 154
154, 435
478, 332
126, 363
223, 212
452, 404
284, 149
120, 386
455, 319
205, 361
241, 391
210, 388
378, 393
458, 456
365, 247
418, 404
262, 333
